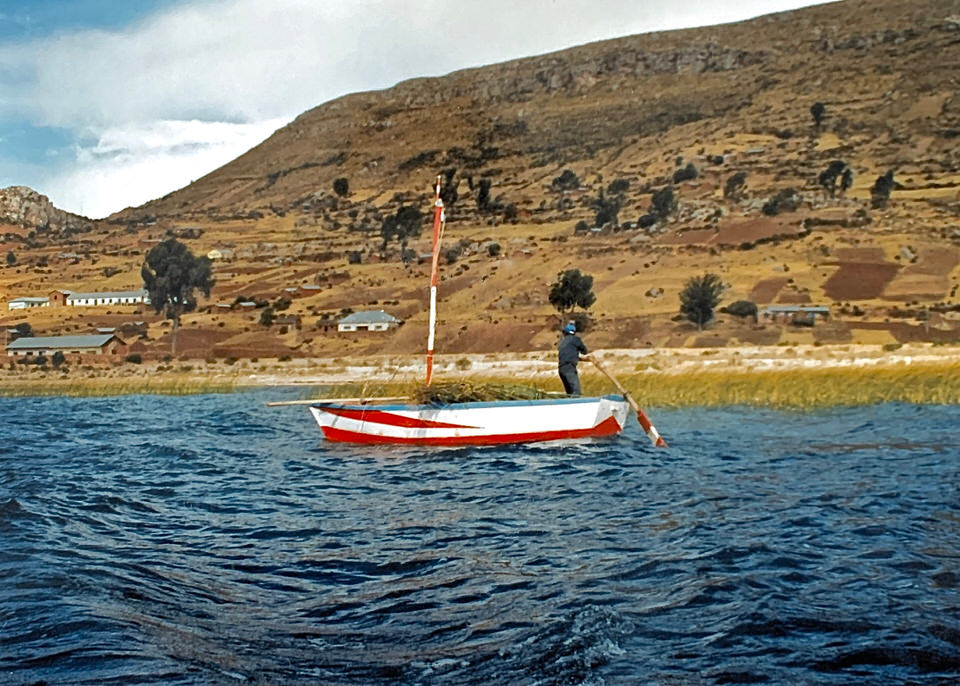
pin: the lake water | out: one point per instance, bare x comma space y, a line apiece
208, 540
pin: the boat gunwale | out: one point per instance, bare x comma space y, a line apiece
478, 404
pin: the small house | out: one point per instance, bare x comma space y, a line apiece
368, 320
58, 298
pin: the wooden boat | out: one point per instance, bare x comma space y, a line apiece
474, 423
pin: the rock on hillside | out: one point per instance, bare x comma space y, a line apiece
25, 207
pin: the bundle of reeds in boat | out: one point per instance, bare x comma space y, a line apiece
449, 392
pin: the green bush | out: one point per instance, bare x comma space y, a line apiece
741, 308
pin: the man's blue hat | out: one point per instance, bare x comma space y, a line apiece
570, 328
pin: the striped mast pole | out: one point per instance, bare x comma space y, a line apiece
438, 224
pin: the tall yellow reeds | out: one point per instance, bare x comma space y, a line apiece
796, 388
100, 387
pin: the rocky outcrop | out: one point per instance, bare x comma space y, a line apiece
23, 206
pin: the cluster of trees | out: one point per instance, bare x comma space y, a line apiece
698, 299
405, 223
837, 170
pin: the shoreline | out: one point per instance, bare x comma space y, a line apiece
779, 376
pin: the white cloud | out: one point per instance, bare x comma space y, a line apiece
249, 62
129, 166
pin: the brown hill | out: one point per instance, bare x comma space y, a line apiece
884, 70
556, 160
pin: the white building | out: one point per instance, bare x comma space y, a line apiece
368, 320
106, 298
27, 303
795, 312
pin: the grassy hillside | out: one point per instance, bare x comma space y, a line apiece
621, 119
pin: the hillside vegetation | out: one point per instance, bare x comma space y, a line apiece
811, 158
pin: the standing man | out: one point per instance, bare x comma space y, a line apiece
569, 352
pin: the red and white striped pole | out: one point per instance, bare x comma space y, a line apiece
438, 222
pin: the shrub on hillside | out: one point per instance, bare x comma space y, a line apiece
567, 181
663, 202
734, 186
687, 173
786, 200
880, 191
818, 110
741, 308
646, 221
618, 186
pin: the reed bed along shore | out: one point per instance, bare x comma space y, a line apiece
801, 388
108, 386
935, 382
798, 388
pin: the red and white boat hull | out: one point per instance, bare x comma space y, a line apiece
480, 423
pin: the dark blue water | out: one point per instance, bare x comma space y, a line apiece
208, 540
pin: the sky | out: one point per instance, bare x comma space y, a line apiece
106, 104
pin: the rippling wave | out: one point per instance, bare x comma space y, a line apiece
208, 540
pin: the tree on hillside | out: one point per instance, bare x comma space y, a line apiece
567, 181
818, 110
267, 316
880, 191
663, 202
11, 259
700, 297
483, 194
608, 210
846, 180
341, 186
734, 186
618, 186
171, 274
828, 177
572, 289
401, 226
688, 173
449, 192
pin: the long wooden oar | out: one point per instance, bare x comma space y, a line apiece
645, 422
